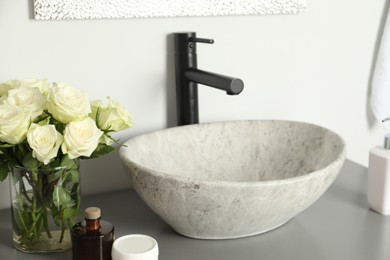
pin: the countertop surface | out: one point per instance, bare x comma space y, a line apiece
339, 225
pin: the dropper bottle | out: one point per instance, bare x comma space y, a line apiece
92, 238
92, 221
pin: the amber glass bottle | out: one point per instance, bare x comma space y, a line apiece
92, 239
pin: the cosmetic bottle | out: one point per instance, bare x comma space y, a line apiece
92, 238
379, 178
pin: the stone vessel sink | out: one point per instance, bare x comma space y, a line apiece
233, 179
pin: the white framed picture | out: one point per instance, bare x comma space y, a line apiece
107, 9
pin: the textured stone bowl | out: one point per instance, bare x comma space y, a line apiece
232, 179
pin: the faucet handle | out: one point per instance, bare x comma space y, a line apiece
201, 40
186, 42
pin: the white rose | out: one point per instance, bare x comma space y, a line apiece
4, 87
68, 104
12, 83
29, 99
39, 84
45, 142
3, 100
111, 116
14, 124
81, 138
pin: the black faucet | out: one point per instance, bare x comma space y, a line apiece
188, 76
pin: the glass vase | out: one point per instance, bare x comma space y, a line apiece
45, 204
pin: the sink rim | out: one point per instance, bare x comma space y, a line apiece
185, 179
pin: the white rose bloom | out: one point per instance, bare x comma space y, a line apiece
68, 104
111, 116
29, 99
4, 87
13, 83
81, 138
3, 100
40, 84
45, 142
14, 124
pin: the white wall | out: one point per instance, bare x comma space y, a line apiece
314, 67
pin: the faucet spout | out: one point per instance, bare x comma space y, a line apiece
188, 76
232, 86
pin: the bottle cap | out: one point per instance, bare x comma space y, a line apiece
92, 213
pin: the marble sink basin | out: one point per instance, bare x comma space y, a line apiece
233, 179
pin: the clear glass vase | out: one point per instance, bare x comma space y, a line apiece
45, 204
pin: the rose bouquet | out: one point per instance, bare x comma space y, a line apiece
45, 129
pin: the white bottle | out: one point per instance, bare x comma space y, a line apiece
379, 178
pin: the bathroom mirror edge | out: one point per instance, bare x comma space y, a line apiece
111, 9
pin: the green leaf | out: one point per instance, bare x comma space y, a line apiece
101, 150
68, 163
53, 176
60, 196
5, 145
44, 121
70, 212
3, 171
30, 162
75, 176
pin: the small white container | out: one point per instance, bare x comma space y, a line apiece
135, 247
379, 178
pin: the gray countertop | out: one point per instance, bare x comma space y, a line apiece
339, 225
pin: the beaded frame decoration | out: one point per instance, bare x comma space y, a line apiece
106, 9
